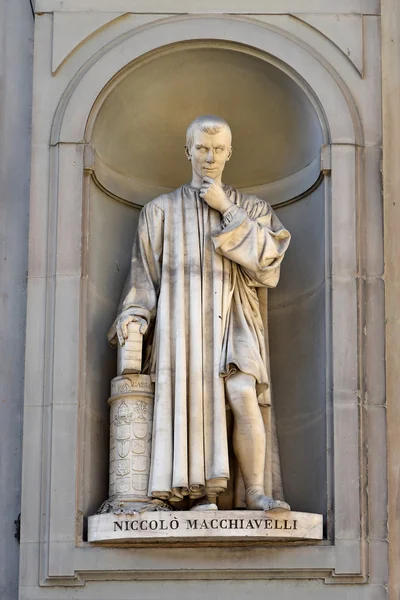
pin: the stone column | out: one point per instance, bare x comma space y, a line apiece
131, 423
131, 420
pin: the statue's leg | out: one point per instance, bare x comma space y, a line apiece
249, 440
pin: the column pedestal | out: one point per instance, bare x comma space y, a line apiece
131, 421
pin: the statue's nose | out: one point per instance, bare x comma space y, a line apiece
210, 157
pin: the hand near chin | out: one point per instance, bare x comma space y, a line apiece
211, 191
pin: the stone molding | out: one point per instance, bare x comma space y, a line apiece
371, 7
339, 116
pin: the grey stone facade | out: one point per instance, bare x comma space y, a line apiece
16, 45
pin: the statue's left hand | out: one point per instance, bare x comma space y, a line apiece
122, 327
214, 195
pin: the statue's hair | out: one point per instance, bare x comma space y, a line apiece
207, 123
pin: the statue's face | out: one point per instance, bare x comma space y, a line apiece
209, 153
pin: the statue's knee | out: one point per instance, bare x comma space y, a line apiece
241, 390
247, 392
232, 388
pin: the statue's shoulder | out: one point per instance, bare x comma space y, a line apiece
161, 203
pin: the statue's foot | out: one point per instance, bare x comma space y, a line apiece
204, 503
259, 501
117, 506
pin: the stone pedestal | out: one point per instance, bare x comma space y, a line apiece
200, 526
131, 419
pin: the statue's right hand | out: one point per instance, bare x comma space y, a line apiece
122, 327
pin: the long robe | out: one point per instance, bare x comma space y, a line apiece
194, 279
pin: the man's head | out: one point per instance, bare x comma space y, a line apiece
208, 146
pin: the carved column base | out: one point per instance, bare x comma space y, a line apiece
131, 421
117, 506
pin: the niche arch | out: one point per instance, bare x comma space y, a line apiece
137, 138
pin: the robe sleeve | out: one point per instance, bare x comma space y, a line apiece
256, 243
141, 291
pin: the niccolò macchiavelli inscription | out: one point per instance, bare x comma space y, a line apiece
207, 524
201, 524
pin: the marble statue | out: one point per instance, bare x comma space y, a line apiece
200, 254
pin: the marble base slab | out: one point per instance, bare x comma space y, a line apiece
202, 525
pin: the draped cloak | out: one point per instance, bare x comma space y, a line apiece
193, 280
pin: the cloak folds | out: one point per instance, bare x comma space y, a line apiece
194, 279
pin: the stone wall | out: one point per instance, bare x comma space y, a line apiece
16, 39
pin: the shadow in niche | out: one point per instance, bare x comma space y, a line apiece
297, 323
276, 134
111, 229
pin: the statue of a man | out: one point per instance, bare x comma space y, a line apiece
199, 256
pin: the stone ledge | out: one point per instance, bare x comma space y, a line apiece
203, 525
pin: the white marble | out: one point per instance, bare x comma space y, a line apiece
204, 525
130, 352
199, 256
131, 420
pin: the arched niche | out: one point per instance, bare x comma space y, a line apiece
136, 140
71, 393
139, 132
